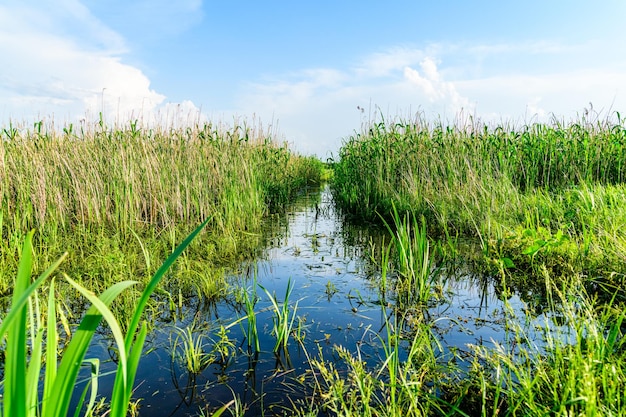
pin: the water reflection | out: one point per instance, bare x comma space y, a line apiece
336, 287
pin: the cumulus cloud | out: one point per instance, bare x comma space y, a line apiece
515, 82
51, 71
318, 108
434, 87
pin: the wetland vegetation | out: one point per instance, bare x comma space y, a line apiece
446, 269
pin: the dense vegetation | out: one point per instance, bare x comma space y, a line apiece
553, 193
540, 211
118, 198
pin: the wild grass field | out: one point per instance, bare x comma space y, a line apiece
119, 199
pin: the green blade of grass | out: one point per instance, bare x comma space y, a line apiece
20, 298
34, 361
122, 389
61, 390
92, 386
15, 356
51, 343
114, 326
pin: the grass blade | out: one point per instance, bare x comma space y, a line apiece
15, 356
122, 389
74, 354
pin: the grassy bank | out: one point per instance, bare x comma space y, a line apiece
117, 199
541, 208
542, 194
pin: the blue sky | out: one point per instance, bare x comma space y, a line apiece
304, 67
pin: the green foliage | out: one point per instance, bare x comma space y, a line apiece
578, 369
498, 186
283, 319
116, 198
23, 366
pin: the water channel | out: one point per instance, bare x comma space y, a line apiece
338, 303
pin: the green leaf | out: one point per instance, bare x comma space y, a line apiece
122, 389
74, 355
15, 355
507, 262
52, 341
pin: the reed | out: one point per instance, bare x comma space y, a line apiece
548, 194
116, 198
413, 263
252, 333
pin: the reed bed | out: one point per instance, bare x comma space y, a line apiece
117, 197
549, 194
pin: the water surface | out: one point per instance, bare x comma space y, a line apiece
338, 303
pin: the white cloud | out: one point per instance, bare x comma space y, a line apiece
496, 83
382, 64
52, 72
318, 108
434, 87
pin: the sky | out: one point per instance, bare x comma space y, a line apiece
315, 72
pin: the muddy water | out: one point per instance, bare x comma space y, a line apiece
338, 303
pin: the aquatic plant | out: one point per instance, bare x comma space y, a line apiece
507, 188
118, 197
283, 318
413, 286
23, 366
189, 347
578, 367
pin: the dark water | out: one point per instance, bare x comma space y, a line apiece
338, 303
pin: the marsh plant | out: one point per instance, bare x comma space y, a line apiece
539, 194
118, 197
24, 326
579, 368
189, 347
403, 382
283, 318
413, 261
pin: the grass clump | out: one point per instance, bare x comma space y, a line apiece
577, 368
24, 327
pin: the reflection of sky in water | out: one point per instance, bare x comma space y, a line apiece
312, 247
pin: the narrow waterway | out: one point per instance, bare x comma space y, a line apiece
335, 301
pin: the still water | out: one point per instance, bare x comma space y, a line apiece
335, 301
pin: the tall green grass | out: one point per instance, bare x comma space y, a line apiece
545, 193
117, 197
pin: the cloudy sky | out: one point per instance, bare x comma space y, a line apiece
309, 67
